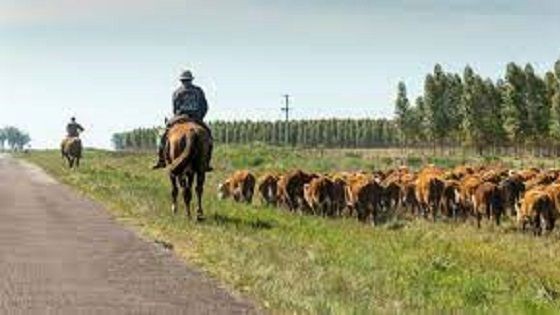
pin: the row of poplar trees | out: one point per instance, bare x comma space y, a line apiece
518, 112
328, 133
140, 139
331, 133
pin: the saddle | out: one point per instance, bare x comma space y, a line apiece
70, 139
181, 119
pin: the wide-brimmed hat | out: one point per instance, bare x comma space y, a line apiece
186, 76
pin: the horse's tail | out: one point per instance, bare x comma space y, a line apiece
181, 162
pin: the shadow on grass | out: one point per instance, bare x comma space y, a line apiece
257, 224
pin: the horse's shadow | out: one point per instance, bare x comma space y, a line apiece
255, 224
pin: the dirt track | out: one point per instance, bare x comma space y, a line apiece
63, 253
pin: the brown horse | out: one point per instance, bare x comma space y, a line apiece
186, 154
71, 149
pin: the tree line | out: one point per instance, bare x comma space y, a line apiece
14, 138
328, 133
139, 139
519, 111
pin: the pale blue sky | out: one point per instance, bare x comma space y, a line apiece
114, 63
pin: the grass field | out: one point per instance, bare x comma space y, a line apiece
288, 262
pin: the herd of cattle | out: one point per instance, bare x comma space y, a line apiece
532, 195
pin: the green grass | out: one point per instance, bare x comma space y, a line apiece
288, 262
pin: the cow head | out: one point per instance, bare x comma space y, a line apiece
224, 190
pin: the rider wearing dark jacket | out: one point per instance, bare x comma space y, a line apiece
188, 100
73, 129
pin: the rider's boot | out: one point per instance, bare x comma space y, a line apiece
161, 158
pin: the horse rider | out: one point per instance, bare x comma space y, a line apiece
188, 101
73, 129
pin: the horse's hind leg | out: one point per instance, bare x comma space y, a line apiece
186, 184
200, 179
174, 193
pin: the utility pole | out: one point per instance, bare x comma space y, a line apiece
287, 109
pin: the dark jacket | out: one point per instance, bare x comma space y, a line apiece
73, 129
190, 101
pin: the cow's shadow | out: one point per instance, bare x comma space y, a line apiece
255, 224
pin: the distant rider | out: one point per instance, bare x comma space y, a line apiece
189, 101
73, 129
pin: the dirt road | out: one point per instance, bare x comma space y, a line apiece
62, 253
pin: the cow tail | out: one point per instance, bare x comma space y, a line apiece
181, 162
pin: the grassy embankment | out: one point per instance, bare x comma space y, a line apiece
307, 264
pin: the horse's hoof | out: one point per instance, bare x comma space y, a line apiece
173, 209
200, 218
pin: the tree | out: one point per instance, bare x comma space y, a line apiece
402, 112
514, 105
538, 107
437, 119
16, 138
3, 138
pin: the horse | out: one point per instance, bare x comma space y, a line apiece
71, 150
187, 151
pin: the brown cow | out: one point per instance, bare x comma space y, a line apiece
429, 189
553, 191
512, 189
363, 196
290, 189
391, 193
319, 195
487, 200
462, 171
537, 209
240, 185
451, 198
339, 197
408, 193
268, 189
469, 185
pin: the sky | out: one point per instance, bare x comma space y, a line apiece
114, 63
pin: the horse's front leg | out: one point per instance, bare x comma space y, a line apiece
200, 179
174, 193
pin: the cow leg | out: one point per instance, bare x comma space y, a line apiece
550, 226
200, 179
374, 211
174, 193
77, 162
537, 229
478, 219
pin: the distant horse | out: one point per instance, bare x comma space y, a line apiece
187, 151
71, 150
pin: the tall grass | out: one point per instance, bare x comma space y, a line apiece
328, 266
